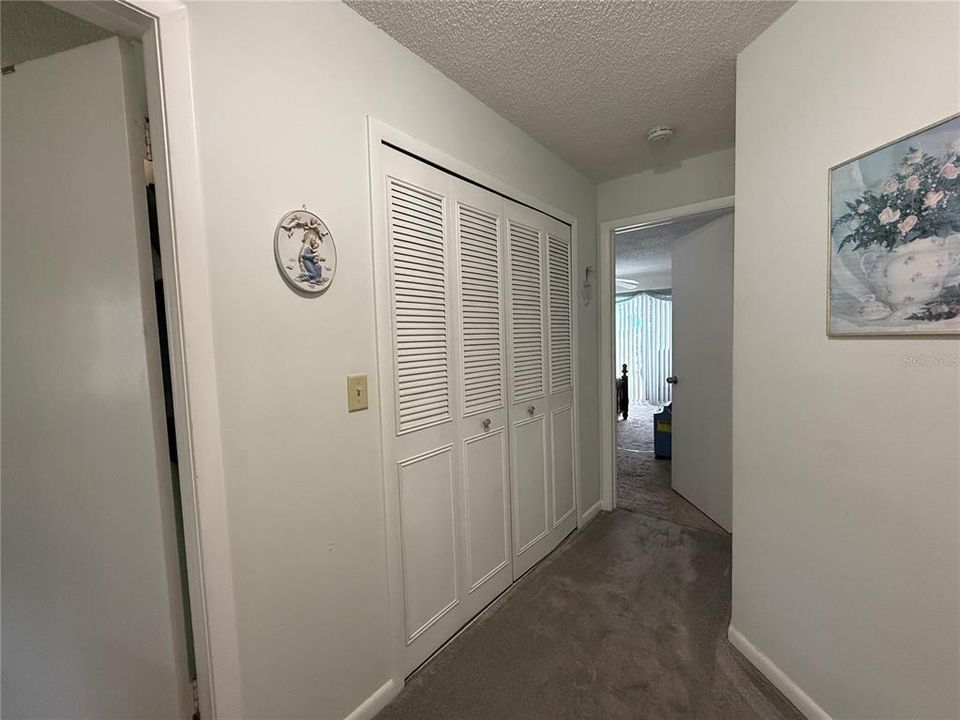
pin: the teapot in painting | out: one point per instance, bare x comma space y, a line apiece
913, 274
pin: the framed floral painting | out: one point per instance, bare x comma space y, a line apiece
895, 237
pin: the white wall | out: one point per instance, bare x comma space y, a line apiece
92, 616
282, 94
846, 553
700, 178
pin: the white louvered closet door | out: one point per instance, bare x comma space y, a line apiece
530, 466
560, 380
482, 420
446, 349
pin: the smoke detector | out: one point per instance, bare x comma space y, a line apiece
659, 134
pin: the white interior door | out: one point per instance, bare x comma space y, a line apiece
92, 617
476, 325
482, 421
703, 365
560, 380
445, 402
540, 377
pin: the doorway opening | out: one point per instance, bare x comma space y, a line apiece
658, 273
644, 355
94, 359
644, 344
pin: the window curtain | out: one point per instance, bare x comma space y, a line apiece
644, 343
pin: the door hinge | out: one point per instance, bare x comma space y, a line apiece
196, 700
148, 152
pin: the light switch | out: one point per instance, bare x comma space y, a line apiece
356, 392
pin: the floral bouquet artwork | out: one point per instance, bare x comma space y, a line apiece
895, 237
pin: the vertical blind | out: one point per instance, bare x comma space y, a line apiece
645, 344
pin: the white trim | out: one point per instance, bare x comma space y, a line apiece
376, 702
590, 513
391, 497
605, 346
163, 28
127, 19
575, 377
804, 703
377, 132
204, 491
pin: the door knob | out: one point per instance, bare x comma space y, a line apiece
531, 409
672, 379
486, 424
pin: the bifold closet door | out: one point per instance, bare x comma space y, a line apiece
540, 378
445, 406
482, 421
560, 374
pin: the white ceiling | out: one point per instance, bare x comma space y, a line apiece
586, 78
647, 251
31, 30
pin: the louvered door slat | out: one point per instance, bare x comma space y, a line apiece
526, 308
419, 276
481, 310
561, 314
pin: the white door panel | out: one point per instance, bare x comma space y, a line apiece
486, 499
482, 418
703, 364
447, 400
540, 324
421, 404
92, 614
428, 538
560, 330
478, 412
564, 495
527, 318
530, 491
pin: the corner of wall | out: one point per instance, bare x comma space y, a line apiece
804, 703
702, 177
369, 708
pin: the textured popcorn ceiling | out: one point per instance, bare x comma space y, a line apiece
648, 250
588, 79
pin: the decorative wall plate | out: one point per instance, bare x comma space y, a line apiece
305, 252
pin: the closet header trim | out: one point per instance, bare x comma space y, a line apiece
466, 179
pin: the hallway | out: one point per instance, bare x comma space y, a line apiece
626, 620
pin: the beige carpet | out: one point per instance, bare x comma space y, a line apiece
627, 620
643, 481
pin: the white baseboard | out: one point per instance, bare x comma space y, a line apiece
590, 513
778, 677
376, 702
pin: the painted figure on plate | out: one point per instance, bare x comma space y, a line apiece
305, 253
310, 260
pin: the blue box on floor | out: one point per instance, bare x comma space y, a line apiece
663, 432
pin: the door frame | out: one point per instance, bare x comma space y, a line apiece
606, 346
162, 28
381, 138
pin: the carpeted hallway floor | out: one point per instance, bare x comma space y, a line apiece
625, 620
643, 481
